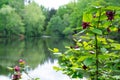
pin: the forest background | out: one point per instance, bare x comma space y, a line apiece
20, 20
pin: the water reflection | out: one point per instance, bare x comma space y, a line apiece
46, 72
35, 52
4, 77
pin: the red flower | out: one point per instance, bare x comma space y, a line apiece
21, 62
85, 25
84, 67
110, 15
17, 68
16, 76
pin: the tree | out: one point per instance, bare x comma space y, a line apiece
55, 26
17, 4
66, 21
10, 22
64, 12
3, 2
34, 19
48, 13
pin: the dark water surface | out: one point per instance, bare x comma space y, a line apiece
36, 54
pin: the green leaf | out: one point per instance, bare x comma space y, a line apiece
56, 68
97, 31
10, 68
80, 74
87, 17
88, 61
37, 78
77, 74
103, 50
112, 8
82, 58
55, 50
74, 75
85, 43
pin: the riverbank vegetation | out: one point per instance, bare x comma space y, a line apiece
28, 19
95, 54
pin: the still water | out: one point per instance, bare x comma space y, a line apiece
36, 54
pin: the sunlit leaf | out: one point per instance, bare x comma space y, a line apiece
87, 17
85, 43
55, 50
56, 68
10, 68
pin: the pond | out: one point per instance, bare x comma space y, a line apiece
36, 54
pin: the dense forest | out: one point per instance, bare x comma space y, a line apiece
20, 18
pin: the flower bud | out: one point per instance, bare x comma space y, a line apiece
17, 68
84, 67
21, 62
16, 76
110, 15
85, 25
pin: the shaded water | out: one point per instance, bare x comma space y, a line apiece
35, 52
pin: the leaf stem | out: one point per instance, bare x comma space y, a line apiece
96, 48
96, 45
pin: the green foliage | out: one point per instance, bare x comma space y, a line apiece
55, 25
75, 11
17, 4
8, 24
19, 19
2, 2
64, 12
97, 31
33, 19
48, 15
94, 54
78, 9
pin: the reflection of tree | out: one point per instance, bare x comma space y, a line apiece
9, 53
59, 43
50, 56
33, 50
3, 70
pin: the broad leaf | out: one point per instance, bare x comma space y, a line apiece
88, 61
87, 17
56, 68
103, 50
97, 31
55, 50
